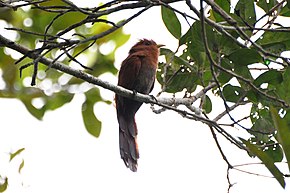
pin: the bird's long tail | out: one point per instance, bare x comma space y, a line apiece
128, 141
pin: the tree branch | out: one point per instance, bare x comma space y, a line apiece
234, 23
167, 103
91, 79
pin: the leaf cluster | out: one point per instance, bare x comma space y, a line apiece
226, 45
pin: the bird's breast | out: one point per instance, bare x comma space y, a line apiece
145, 78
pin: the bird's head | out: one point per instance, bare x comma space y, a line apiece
144, 45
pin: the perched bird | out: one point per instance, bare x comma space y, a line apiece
137, 73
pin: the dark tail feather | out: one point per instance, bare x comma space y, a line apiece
128, 141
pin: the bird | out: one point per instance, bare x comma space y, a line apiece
137, 73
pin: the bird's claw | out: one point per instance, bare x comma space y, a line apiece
153, 98
134, 92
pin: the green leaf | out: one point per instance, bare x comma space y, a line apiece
270, 147
58, 99
267, 5
171, 22
207, 105
285, 11
246, 10
225, 5
267, 161
6, 14
288, 4
274, 151
93, 95
92, 124
193, 38
272, 77
176, 82
276, 48
13, 155
37, 113
283, 134
3, 186
227, 45
283, 89
261, 129
232, 93
10, 72
21, 166
177, 76
224, 77
245, 56
270, 38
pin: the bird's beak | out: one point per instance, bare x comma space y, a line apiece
160, 45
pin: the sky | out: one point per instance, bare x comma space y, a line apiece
176, 154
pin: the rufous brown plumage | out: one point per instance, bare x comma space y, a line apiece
137, 73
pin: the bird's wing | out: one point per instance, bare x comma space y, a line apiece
129, 71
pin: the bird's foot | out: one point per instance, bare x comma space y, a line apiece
153, 98
134, 92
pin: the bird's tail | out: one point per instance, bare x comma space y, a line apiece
128, 141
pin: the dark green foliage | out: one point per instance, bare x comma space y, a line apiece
235, 68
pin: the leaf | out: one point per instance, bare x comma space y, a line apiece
177, 76
207, 105
276, 48
283, 134
261, 129
224, 77
3, 186
13, 155
227, 45
267, 161
62, 22
270, 38
246, 10
37, 113
274, 151
272, 77
288, 4
285, 11
179, 81
271, 148
21, 166
10, 72
283, 89
171, 22
6, 14
245, 56
232, 93
193, 38
267, 5
58, 99
225, 5
92, 124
